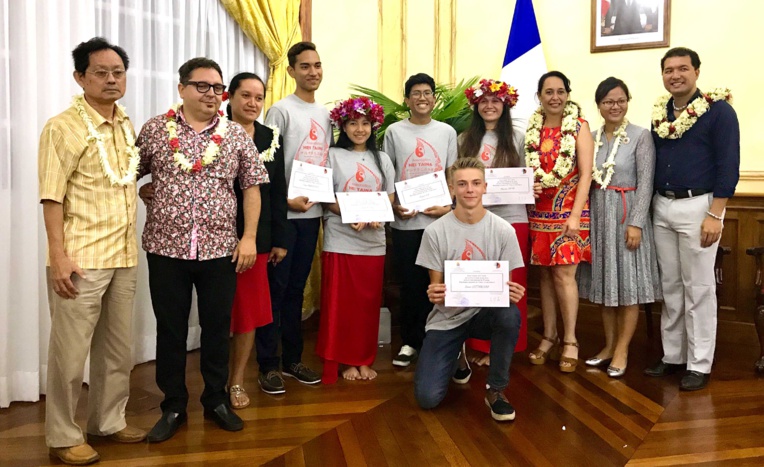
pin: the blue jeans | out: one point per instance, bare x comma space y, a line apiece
437, 360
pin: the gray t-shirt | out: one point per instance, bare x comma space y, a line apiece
307, 135
356, 171
448, 239
512, 213
418, 150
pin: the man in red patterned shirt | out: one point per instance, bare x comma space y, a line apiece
194, 155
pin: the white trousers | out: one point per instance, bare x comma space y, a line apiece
688, 318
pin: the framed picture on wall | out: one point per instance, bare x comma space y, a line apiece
630, 24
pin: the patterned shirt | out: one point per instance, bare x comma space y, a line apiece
193, 214
99, 219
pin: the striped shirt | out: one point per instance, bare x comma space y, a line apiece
99, 219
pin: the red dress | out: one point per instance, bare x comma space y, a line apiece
547, 217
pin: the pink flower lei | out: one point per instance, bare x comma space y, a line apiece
507, 94
357, 107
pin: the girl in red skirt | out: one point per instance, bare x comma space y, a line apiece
353, 258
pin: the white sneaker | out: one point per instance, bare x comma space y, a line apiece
404, 358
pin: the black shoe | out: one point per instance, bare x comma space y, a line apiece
225, 419
694, 380
462, 375
664, 369
501, 409
271, 382
302, 373
166, 427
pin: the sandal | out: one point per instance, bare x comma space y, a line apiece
538, 356
238, 396
568, 364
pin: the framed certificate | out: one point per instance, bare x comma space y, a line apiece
513, 185
476, 284
312, 181
365, 206
426, 191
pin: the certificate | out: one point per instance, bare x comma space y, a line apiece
477, 284
424, 192
513, 185
365, 206
312, 181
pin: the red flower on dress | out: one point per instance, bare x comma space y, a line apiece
197, 166
217, 139
225, 96
170, 113
174, 143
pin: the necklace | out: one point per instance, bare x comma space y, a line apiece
609, 165
95, 136
564, 163
268, 154
210, 153
694, 110
677, 109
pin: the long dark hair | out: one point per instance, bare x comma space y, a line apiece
234, 85
343, 141
506, 152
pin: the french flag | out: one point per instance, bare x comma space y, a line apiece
524, 61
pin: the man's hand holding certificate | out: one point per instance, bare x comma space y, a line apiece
312, 181
513, 185
426, 191
477, 284
364, 206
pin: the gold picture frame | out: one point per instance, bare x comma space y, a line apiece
642, 24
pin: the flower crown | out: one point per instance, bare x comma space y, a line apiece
357, 107
506, 94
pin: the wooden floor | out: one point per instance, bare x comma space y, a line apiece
581, 419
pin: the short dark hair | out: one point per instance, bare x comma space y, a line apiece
297, 49
235, 83
81, 53
419, 78
554, 74
682, 52
608, 85
185, 70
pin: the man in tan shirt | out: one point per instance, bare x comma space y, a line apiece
87, 168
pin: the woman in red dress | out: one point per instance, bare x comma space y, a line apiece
559, 147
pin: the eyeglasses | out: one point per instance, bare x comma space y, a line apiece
610, 104
418, 94
103, 74
202, 87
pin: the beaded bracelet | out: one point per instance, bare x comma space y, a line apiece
718, 218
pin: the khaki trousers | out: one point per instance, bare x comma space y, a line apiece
99, 322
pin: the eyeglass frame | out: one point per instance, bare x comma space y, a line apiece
209, 86
418, 94
99, 74
621, 103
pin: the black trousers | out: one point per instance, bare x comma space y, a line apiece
415, 306
171, 282
287, 286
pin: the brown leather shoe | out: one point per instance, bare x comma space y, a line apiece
82, 454
128, 434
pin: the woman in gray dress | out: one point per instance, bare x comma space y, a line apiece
624, 269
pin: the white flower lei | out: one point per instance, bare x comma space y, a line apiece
609, 165
268, 154
688, 117
95, 136
213, 148
564, 163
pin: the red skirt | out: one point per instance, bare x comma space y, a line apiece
351, 294
519, 275
252, 303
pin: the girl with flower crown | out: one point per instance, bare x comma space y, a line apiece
353, 257
559, 148
624, 268
492, 138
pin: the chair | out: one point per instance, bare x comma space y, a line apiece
758, 314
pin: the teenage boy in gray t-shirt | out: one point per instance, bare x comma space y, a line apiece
417, 146
470, 232
307, 133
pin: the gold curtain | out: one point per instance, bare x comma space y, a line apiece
273, 26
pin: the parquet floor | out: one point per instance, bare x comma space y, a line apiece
581, 419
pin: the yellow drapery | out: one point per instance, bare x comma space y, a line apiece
274, 26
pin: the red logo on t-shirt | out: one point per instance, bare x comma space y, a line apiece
470, 248
487, 153
422, 161
364, 180
313, 149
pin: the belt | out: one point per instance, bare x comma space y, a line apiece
621, 190
682, 194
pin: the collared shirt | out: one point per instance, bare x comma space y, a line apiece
707, 156
193, 214
99, 219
